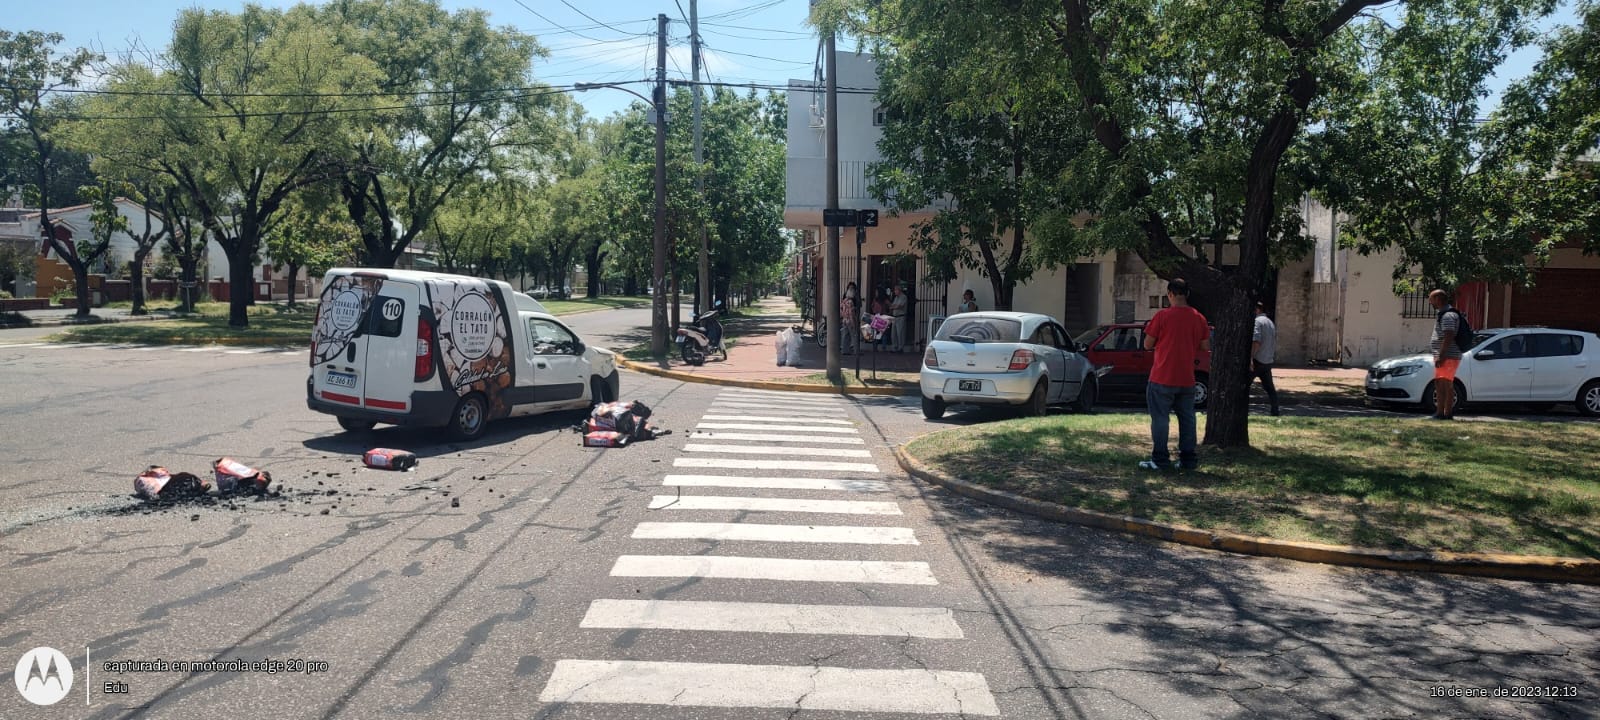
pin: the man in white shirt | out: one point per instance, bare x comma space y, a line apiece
1263, 351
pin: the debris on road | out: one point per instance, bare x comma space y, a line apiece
615, 424
234, 476
155, 483
387, 459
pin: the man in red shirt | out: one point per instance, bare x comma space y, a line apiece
1177, 335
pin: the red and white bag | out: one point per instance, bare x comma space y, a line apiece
604, 438
234, 476
155, 483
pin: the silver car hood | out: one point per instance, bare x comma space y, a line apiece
1386, 363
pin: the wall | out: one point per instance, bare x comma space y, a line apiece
1374, 328
858, 137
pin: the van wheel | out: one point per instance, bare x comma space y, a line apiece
932, 408
599, 391
356, 426
470, 418
1086, 396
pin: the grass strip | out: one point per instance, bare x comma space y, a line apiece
1391, 483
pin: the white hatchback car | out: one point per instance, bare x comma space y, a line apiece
1024, 360
1532, 366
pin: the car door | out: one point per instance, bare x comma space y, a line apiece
1123, 349
1501, 371
1073, 363
559, 369
1560, 365
1043, 343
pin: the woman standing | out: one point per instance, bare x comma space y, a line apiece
849, 310
897, 308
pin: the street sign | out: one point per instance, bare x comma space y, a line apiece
867, 218
837, 217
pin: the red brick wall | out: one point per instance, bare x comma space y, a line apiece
1561, 298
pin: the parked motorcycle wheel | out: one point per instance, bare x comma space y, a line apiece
692, 354
822, 332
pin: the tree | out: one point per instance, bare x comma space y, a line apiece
256, 111
966, 132
30, 73
186, 244
144, 242
463, 112
314, 234
1408, 158
105, 221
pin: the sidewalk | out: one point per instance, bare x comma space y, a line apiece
754, 359
67, 316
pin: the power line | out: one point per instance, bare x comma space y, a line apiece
743, 12
760, 57
591, 17
559, 25
759, 29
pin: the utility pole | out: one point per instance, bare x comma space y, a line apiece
658, 287
699, 155
830, 256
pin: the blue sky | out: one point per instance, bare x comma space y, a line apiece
763, 41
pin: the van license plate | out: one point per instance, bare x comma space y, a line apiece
341, 379
971, 385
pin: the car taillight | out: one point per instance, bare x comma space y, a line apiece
313, 353
424, 350
1021, 360
930, 358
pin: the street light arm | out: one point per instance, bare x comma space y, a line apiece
585, 87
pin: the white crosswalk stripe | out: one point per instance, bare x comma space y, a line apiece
922, 622
762, 437
886, 572
780, 395
745, 464
753, 532
776, 483
754, 450
802, 687
253, 351
785, 408
764, 504
778, 428
739, 416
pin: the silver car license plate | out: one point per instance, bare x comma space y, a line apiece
970, 385
341, 379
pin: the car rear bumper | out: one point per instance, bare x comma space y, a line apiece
1011, 388
429, 408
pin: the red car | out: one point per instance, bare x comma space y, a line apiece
1122, 347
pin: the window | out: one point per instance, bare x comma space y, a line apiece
548, 338
879, 116
1510, 346
1555, 345
1414, 304
386, 316
1155, 302
981, 330
1123, 339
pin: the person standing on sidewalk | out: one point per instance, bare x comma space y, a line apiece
897, 308
1263, 350
1177, 335
1446, 355
849, 310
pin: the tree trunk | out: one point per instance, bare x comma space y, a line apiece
240, 282
80, 280
188, 283
294, 279
1228, 407
136, 278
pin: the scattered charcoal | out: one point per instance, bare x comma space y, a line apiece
324, 511
333, 492
194, 517
455, 502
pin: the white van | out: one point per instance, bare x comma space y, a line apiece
418, 348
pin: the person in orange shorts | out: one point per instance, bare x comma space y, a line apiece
1446, 355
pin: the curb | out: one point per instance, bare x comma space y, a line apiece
223, 342
1510, 567
100, 320
761, 384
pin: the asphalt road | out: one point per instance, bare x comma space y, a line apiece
525, 576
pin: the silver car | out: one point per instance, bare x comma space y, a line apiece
1541, 367
1024, 360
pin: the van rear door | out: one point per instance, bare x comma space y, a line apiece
389, 354
338, 343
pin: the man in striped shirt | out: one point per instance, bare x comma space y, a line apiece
1446, 355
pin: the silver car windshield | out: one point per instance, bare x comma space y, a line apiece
981, 330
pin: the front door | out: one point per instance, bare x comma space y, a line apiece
554, 371
1507, 376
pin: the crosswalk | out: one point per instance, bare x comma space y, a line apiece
803, 443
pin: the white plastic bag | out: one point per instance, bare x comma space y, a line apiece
794, 348
781, 344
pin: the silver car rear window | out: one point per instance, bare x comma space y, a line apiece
981, 329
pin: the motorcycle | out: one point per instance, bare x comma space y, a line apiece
701, 338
